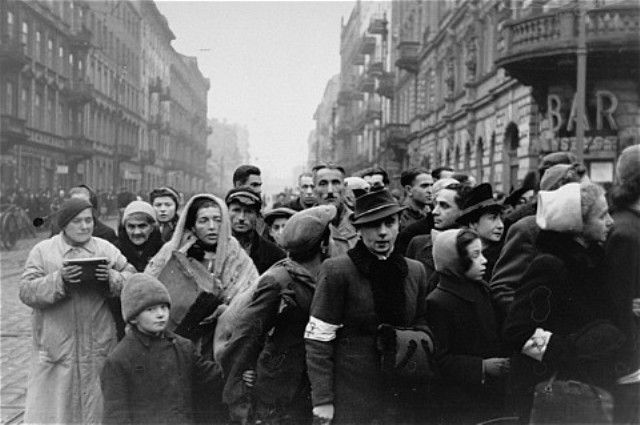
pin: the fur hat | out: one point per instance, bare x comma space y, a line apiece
138, 207
142, 291
71, 208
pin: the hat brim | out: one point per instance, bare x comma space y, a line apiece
378, 214
482, 207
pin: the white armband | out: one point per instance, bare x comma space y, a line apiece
536, 346
318, 330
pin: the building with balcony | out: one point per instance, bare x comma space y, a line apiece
86, 95
321, 144
365, 61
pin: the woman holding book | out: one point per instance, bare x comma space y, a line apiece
67, 280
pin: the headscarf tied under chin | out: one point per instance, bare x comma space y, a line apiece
232, 266
445, 254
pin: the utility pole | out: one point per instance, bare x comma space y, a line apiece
581, 80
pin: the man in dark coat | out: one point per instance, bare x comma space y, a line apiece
100, 230
368, 286
622, 252
417, 184
244, 208
268, 351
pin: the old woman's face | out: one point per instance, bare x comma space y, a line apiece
599, 222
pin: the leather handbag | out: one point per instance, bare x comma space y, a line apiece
561, 402
406, 353
194, 296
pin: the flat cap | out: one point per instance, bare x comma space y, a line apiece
281, 212
305, 228
244, 196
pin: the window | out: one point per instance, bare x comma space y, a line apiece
38, 46
10, 24
24, 37
24, 104
38, 111
50, 52
9, 99
51, 114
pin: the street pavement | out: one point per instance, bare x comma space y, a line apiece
15, 330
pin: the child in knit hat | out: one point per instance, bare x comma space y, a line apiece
153, 374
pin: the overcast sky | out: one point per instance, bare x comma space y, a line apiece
268, 63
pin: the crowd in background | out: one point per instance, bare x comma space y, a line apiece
438, 302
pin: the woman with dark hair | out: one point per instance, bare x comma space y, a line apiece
471, 356
560, 322
165, 201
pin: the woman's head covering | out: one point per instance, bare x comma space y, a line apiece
445, 254
138, 207
560, 210
71, 208
232, 265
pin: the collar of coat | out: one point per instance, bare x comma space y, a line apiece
467, 290
147, 340
90, 246
364, 261
572, 253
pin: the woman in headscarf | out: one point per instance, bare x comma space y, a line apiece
560, 321
73, 329
471, 356
203, 234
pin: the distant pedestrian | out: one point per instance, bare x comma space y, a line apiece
73, 329
151, 377
165, 201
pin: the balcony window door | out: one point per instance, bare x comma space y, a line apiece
9, 103
10, 25
24, 36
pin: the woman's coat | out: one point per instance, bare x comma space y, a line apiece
73, 332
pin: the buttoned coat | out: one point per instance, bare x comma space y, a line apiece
346, 371
152, 380
73, 332
466, 329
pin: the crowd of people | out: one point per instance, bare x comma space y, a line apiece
353, 303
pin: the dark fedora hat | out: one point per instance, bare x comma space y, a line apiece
478, 201
375, 205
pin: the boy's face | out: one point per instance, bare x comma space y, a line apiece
152, 320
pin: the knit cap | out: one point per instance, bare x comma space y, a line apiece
142, 291
138, 207
71, 208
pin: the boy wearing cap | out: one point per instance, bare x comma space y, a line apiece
244, 209
72, 327
267, 354
165, 201
152, 374
275, 220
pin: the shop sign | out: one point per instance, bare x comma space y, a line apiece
559, 134
62, 169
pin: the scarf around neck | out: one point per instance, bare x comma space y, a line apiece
387, 282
